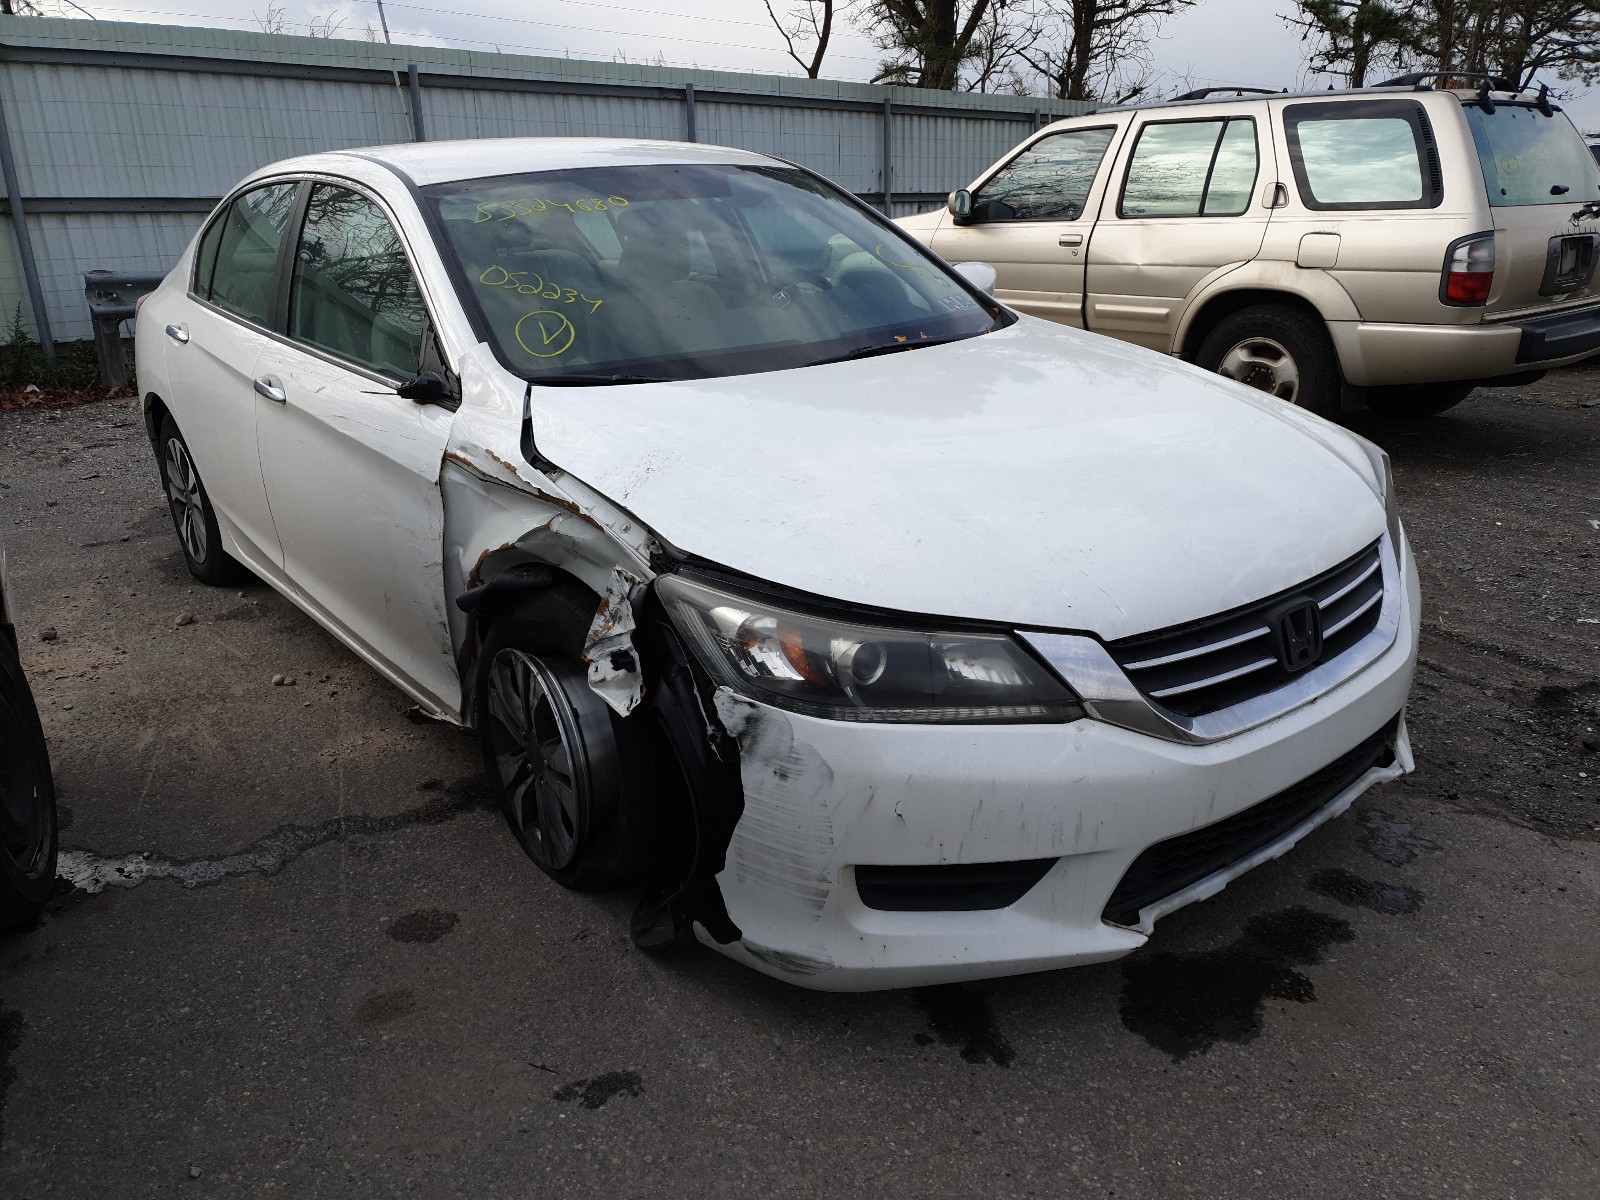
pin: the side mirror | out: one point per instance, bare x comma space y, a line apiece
960, 206
979, 274
429, 388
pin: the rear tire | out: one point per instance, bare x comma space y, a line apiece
571, 776
192, 515
27, 801
1422, 400
1278, 350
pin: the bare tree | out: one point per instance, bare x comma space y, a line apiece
276, 20
808, 23
1512, 39
324, 26
928, 42
1095, 49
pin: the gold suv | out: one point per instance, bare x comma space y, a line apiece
1394, 246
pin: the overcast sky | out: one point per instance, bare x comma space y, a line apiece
1205, 44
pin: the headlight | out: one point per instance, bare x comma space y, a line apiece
830, 667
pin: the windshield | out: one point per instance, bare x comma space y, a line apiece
1529, 158
622, 274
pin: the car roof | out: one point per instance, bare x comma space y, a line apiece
477, 158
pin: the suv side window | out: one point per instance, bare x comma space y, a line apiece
244, 257
353, 293
1049, 181
1363, 154
1191, 169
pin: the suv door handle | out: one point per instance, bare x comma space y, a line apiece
178, 334
1070, 239
265, 387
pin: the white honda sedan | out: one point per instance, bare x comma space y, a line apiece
887, 636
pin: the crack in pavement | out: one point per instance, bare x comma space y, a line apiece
91, 872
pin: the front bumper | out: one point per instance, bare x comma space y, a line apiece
1380, 355
823, 797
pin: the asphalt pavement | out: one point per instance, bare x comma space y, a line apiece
322, 967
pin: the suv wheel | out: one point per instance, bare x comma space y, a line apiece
27, 801
1281, 351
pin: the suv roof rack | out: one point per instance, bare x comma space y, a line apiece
1420, 80
1202, 93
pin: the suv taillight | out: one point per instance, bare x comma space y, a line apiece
1469, 271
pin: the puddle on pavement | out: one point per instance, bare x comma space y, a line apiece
592, 1093
1347, 887
960, 1016
424, 926
1183, 1004
1392, 841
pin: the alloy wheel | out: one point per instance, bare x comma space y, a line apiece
551, 741
1265, 365
188, 504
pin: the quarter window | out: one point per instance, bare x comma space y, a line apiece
353, 293
1049, 181
1191, 169
1363, 155
244, 258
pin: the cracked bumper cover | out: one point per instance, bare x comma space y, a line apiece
822, 797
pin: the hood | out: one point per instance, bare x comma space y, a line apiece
1035, 476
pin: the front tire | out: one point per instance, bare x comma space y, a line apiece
27, 801
568, 772
1278, 350
192, 515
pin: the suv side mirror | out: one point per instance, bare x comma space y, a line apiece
429, 388
960, 206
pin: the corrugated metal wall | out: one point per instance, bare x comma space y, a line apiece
125, 135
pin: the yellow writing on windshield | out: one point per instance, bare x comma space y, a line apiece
886, 260
545, 334
531, 283
510, 210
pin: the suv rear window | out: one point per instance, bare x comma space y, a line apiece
1527, 156
1363, 154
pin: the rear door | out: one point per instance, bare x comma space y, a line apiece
1032, 219
1537, 173
351, 468
211, 357
1183, 210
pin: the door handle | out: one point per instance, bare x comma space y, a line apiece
1070, 239
178, 334
265, 387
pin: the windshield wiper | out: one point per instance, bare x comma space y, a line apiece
597, 379
888, 348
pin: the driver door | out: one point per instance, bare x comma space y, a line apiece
351, 468
1031, 221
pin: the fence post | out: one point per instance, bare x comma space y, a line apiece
414, 86
688, 113
19, 226
888, 156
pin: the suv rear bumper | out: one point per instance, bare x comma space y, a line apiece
1377, 355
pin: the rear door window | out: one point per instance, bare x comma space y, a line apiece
1191, 169
1363, 155
1529, 158
245, 259
353, 294
1049, 181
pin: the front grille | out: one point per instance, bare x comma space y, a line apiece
1172, 865
1223, 660
953, 887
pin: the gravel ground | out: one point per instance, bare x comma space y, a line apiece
338, 976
